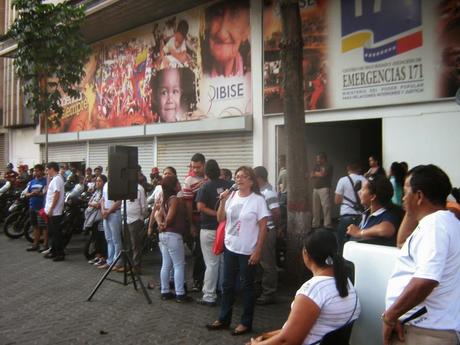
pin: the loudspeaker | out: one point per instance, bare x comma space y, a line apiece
123, 172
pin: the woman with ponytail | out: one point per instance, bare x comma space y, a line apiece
323, 304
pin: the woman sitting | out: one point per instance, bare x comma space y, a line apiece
382, 218
325, 303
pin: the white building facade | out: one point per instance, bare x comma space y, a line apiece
356, 104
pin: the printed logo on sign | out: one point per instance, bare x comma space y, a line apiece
383, 28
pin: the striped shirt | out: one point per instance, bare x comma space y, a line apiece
191, 186
271, 198
335, 310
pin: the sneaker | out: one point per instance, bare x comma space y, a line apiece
206, 303
183, 299
47, 251
166, 296
43, 250
93, 261
33, 249
100, 262
104, 266
50, 255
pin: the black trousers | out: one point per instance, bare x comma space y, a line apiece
199, 266
55, 233
100, 244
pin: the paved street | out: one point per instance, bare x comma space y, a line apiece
44, 302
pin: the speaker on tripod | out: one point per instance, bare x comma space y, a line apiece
122, 185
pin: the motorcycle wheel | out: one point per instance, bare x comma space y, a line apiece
28, 231
14, 225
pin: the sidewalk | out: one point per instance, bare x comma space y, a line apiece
44, 302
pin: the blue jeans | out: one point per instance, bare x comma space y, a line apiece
172, 252
234, 264
112, 231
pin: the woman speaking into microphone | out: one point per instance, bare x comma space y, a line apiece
245, 212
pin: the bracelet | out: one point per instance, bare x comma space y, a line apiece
388, 322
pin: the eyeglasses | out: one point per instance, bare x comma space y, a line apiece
244, 177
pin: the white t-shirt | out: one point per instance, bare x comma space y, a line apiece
105, 194
136, 209
431, 252
56, 185
241, 229
335, 311
344, 188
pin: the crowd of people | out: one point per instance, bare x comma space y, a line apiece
251, 212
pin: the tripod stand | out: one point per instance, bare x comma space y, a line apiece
127, 265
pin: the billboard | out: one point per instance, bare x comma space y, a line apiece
360, 53
191, 66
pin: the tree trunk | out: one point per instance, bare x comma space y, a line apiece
43, 94
299, 223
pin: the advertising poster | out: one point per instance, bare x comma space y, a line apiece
369, 52
191, 66
314, 64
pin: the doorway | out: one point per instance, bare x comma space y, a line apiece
343, 142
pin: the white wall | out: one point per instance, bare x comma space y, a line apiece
22, 149
416, 133
423, 139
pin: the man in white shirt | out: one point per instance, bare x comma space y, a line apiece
54, 205
347, 197
423, 292
268, 257
136, 211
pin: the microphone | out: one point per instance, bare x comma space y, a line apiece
233, 188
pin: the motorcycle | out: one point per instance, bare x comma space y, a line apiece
8, 195
18, 216
73, 218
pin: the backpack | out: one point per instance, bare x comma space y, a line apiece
355, 204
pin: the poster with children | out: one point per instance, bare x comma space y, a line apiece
191, 66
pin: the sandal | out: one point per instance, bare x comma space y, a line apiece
216, 325
241, 329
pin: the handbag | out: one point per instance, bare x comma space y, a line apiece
92, 216
218, 247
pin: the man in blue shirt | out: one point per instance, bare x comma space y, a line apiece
35, 192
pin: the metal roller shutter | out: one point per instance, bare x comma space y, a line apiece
229, 150
98, 152
3, 153
65, 152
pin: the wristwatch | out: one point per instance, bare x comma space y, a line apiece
385, 320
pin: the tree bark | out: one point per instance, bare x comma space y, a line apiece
43, 94
299, 219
